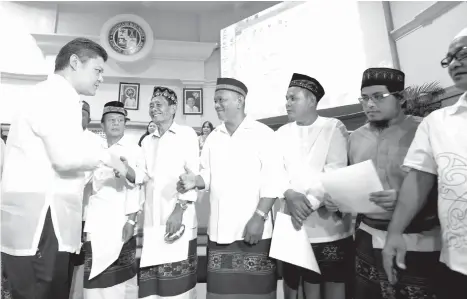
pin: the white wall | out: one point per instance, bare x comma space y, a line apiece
87, 20
421, 51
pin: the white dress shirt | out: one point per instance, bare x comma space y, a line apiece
440, 148
165, 159
46, 157
308, 151
113, 199
239, 170
93, 140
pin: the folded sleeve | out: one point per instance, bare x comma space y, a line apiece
191, 156
64, 139
337, 157
420, 154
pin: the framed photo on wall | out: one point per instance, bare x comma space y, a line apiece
193, 101
128, 94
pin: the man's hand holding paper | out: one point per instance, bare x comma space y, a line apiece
357, 189
386, 199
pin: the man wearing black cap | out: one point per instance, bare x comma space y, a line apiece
438, 156
385, 140
110, 247
168, 215
239, 165
310, 145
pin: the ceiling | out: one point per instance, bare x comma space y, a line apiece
175, 6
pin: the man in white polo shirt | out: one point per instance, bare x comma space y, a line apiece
438, 151
41, 208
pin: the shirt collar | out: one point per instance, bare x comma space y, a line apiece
459, 105
246, 124
174, 128
65, 86
124, 141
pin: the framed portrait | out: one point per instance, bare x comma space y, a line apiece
128, 94
193, 101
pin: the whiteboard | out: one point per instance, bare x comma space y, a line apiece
316, 38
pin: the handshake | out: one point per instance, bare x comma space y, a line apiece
187, 181
118, 163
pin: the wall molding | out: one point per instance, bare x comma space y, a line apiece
424, 18
50, 44
7, 77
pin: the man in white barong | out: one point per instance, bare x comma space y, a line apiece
110, 247
240, 166
310, 145
167, 152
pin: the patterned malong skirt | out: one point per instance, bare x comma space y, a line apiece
241, 271
122, 270
174, 280
418, 281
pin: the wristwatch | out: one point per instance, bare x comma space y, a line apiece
183, 205
262, 214
132, 222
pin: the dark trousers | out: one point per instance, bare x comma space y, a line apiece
45, 275
452, 284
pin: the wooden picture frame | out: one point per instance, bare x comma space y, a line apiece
193, 101
128, 94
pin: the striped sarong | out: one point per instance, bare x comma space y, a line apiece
122, 270
418, 281
176, 280
241, 271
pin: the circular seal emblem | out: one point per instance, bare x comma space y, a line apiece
127, 38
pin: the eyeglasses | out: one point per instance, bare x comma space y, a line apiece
459, 55
376, 98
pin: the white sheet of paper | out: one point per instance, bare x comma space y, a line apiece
106, 247
292, 246
156, 252
350, 187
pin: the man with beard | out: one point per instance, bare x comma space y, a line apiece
437, 154
311, 145
239, 166
385, 140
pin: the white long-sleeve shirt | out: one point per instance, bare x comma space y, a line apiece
165, 158
307, 151
239, 170
46, 157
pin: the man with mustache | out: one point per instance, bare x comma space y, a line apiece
239, 165
437, 155
43, 175
385, 140
311, 145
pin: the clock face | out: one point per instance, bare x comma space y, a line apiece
127, 38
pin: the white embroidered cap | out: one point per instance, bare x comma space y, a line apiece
462, 33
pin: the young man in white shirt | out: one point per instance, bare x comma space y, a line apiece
167, 152
110, 247
311, 145
42, 177
240, 166
438, 153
